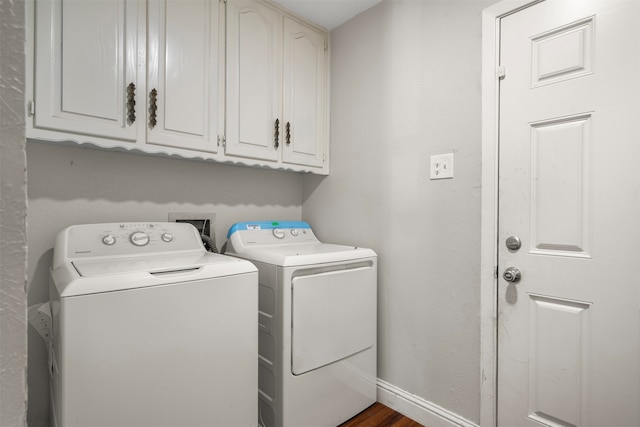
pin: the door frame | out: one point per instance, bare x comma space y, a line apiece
489, 202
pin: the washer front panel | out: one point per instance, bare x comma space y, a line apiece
182, 354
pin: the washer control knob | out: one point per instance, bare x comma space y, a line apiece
294, 231
139, 238
167, 237
109, 239
278, 233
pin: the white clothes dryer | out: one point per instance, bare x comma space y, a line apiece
317, 324
151, 330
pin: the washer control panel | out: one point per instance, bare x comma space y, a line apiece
88, 240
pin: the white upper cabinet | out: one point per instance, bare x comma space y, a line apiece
184, 75
254, 83
276, 87
85, 66
235, 81
305, 95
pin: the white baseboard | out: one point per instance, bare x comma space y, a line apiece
417, 408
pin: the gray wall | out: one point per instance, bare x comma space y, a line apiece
13, 199
406, 85
69, 185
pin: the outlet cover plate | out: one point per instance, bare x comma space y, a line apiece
442, 166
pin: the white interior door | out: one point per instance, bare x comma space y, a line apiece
569, 189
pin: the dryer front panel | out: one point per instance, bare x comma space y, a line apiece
333, 316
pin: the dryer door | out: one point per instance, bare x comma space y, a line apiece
333, 316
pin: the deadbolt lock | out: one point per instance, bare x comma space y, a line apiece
514, 243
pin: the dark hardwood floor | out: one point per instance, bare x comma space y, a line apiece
379, 415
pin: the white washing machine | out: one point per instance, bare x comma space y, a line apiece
149, 329
317, 324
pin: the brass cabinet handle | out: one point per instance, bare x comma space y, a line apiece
131, 103
288, 133
153, 107
276, 134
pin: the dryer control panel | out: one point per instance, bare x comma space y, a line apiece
271, 232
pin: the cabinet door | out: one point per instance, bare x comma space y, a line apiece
85, 57
253, 80
305, 94
183, 69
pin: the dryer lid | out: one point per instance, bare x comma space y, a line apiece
287, 243
303, 254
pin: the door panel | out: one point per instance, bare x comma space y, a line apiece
558, 353
560, 186
562, 53
569, 188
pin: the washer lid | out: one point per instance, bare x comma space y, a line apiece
84, 277
150, 264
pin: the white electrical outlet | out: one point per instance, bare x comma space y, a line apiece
40, 319
442, 166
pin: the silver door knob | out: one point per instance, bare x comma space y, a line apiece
512, 275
